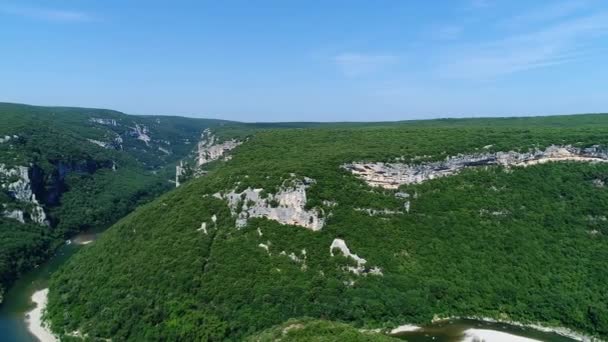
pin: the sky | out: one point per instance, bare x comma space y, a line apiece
308, 60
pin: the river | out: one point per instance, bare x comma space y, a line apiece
17, 301
455, 330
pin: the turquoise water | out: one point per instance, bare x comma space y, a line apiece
18, 298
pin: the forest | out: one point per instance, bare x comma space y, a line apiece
526, 243
79, 184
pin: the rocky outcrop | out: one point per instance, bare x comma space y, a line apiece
179, 173
15, 215
392, 175
360, 269
16, 182
287, 206
115, 143
141, 132
106, 122
301, 259
7, 138
210, 149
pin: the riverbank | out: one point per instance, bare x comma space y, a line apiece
474, 335
35, 323
467, 329
562, 331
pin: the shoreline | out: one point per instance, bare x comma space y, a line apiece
470, 333
33, 318
562, 331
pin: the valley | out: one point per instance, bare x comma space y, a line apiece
369, 225
296, 235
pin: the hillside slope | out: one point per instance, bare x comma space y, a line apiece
64, 170
291, 227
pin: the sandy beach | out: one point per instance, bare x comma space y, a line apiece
34, 318
475, 335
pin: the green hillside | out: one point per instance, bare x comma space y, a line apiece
83, 169
521, 243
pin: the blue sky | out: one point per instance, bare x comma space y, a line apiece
308, 60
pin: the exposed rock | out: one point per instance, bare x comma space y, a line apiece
265, 246
116, 143
38, 215
598, 183
209, 149
360, 269
107, 122
329, 204
141, 132
15, 215
297, 259
8, 138
179, 172
497, 213
16, 181
402, 195
392, 175
99, 143
203, 228
376, 212
164, 150
286, 206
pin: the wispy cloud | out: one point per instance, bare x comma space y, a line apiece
357, 64
546, 14
46, 13
559, 43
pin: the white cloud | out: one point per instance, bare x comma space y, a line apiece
46, 13
357, 64
546, 14
557, 44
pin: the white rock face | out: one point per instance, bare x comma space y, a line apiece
286, 206
301, 259
7, 138
179, 171
17, 182
376, 212
14, 214
340, 245
203, 228
209, 149
265, 246
392, 175
99, 143
141, 132
107, 122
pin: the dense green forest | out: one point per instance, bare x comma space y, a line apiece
541, 258
306, 329
87, 168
